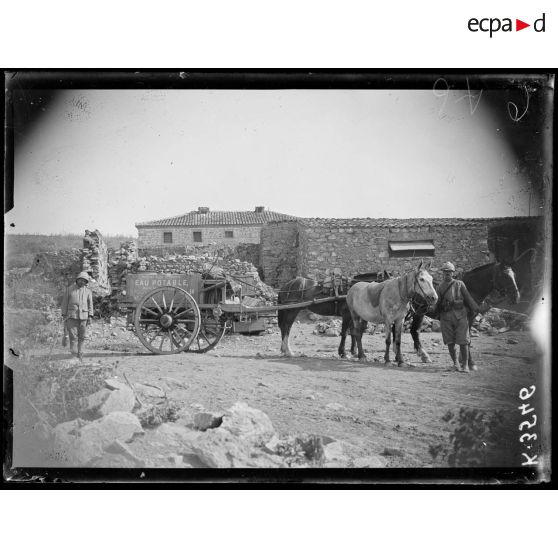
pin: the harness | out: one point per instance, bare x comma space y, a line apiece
417, 302
446, 306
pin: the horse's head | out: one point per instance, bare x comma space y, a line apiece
423, 286
504, 282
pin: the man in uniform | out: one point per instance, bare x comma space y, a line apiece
453, 301
77, 311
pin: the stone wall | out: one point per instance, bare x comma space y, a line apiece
360, 248
120, 263
94, 259
279, 252
151, 237
310, 247
245, 252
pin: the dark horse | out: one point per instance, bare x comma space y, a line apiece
489, 283
302, 289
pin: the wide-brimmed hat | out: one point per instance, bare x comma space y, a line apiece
448, 266
84, 275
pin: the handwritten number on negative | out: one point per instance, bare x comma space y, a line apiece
530, 460
528, 424
524, 393
527, 437
525, 409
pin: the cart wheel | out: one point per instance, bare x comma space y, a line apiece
167, 320
212, 329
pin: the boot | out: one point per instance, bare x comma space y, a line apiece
73, 347
80, 350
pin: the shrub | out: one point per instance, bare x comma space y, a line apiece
479, 439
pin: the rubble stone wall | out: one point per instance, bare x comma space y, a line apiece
94, 257
361, 249
279, 252
121, 262
244, 251
151, 237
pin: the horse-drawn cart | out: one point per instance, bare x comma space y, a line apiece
172, 313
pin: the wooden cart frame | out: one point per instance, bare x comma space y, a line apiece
173, 313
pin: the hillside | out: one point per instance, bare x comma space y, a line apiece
19, 249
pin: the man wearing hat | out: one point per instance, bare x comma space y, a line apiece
453, 301
77, 311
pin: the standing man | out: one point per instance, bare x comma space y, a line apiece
453, 302
77, 311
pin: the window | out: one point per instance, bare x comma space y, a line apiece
167, 238
197, 236
411, 248
229, 234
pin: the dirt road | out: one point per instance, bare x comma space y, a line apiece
377, 409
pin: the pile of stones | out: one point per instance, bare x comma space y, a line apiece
94, 260
497, 320
117, 433
234, 270
328, 328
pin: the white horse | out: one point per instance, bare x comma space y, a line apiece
386, 303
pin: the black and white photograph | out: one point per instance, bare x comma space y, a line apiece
302, 275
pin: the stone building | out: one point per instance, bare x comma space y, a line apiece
309, 247
204, 228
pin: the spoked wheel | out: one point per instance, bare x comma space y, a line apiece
212, 329
167, 320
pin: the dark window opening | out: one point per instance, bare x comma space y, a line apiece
167, 238
197, 236
229, 234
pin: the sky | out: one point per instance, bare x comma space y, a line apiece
107, 159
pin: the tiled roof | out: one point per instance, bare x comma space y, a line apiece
412, 222
197, 219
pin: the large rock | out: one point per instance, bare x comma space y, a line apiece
93, 402
238, 442
176, 434
335, 455
246, 423
122, 399
219, 448
115, 426
76, 445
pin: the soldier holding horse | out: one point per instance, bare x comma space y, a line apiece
486, 284
454, 303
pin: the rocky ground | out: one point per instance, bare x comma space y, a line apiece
243, 405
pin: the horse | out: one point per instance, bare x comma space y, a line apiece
303, 289
481, 282
387, 303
